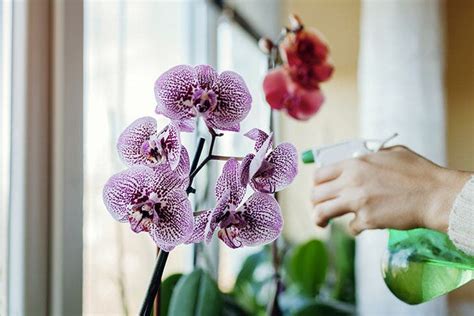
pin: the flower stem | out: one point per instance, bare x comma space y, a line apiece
197, 155
154, 284
273, 308
195, 171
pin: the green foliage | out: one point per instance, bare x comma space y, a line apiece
196, 294
342, 253
251, 289
312, 286
166, 291
318, 308
306, 267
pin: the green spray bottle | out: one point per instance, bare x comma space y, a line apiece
419, 264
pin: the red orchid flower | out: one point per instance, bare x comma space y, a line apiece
295, 86
282, 93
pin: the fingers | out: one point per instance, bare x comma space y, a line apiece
327, 173
330, 209
355, 226
360, 223
325, 191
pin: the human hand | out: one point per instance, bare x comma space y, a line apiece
394, 188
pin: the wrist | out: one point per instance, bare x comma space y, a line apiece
447, 184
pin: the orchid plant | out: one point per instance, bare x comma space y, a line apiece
152, 193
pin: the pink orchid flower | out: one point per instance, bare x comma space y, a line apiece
152, 200
141, 144
268, 172
257, 221
183, 93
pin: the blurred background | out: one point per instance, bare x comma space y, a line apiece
75, 73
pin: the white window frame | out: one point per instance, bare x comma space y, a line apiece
67, 157
45, 235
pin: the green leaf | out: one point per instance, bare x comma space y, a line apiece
196, 294
323, 309
248, 290
307, 265
231, 307
166, 290
248, 267
342, 247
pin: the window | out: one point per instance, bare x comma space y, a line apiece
5, 82
127, 45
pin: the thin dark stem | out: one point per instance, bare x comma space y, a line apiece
154, 284
198, 153
194, 164
196, 170
273, 308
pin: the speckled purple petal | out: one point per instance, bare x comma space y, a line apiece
175, 221
184, 166
264, 220
233, 102
173, 92
130, 141
173, 143
165, 180
122, 187
186, 125
216, 214
258, 136
244, 169
206, 76
284, 159
200, 222
229, 180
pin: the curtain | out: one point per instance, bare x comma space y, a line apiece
401, 90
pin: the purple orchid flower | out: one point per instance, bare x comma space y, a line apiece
257, 221
184, 93
142, 144
151, 200
268, 173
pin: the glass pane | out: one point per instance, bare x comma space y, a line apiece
127, 46
5, 88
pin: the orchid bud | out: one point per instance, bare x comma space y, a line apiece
295, 22
265, 45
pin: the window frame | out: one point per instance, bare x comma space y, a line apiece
45, 233
5, 97
27, 288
